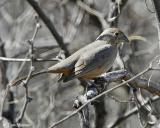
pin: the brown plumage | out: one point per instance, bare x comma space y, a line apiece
90, 61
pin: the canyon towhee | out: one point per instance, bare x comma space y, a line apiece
90, 61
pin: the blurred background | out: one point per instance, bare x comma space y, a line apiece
51, 101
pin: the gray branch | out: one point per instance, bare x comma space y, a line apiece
49, 25
156, 4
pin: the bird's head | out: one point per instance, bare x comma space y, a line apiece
113, 36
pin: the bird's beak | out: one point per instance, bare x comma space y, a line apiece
125, 39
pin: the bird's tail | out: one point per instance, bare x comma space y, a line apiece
17, 81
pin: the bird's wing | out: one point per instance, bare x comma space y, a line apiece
92, 59
64, 66
68, 64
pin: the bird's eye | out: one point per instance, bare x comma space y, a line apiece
116, 33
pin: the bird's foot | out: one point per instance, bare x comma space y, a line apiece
99, 80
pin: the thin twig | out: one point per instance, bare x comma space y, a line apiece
19, 120
156, 5
116, 7
132, 111
25, 83
17, 81
91, 11
49, 25
151, 11
26, 59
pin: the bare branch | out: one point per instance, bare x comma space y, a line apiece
27, 59
91, 11
115, 10
132, 111
136, 83
49, 25
25, 83
27, 99
100, 95
156, 4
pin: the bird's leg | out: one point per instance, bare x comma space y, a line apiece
93, 88
92, 91
100, 83
99, 80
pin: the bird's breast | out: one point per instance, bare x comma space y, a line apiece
102, 68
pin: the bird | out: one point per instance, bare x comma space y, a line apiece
92, 60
